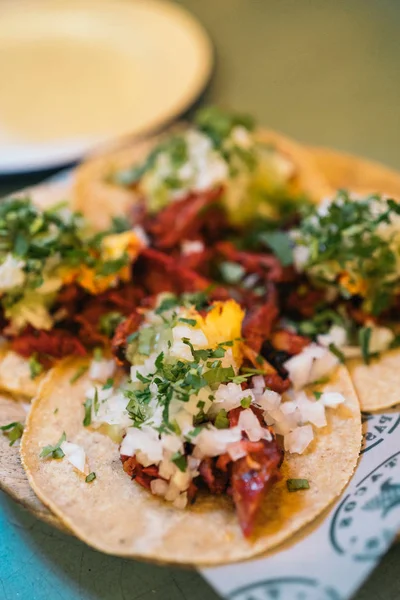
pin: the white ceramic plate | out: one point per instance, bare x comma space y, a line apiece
76, 73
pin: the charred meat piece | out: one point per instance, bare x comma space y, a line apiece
267, 266
258, 323
186, 218
251, 478
56, 343
124, 330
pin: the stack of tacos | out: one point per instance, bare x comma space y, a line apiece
218, 311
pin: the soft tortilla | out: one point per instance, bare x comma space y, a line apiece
357, 174
117, 516
376, 384
100, 200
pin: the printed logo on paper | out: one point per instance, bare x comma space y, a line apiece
376, 427
295, 588
366, 521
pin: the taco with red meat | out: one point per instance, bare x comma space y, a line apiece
63, 288
195, 449
347, 294
219, 167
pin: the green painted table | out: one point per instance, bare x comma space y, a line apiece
325, 71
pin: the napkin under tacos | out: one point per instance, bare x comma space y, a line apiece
220, 159
152, 463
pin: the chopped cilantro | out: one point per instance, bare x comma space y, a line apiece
159, 361
231, 272
98, 353
221, 420
111, 267
108, 384
219, 375
96, 403
166, 304
132, 337
180, 461
193, 433
294, 485
317, 395
13, 431
88, 404
245, 402
260, 359
280, 244
191, 322
78, 374
146, 340
54, 451
337, 352
364, 338
35, 367
109, 322
351, 246
91, 477
320, 381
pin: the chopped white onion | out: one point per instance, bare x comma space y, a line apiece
313, 363
298, 440
236, 451
213, 442
189, 247
101, 370
312, 411
181, 501
158, 487
336, 335
249, 423
76, 455
145, 440
332, 399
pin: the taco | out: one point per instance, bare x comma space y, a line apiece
63, 287
186, 454
347, 252
220, 160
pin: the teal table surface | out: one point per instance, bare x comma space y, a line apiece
326, 72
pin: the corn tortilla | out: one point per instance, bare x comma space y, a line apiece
117, 516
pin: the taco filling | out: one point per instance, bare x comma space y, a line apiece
193, 412
346, 253
63, 288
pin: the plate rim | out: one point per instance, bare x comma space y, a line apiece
183, 102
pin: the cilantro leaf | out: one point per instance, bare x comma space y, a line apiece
13, 431
294, 485
231, 272
280, 244
78, 374
337, 352
221, 420
35, 367
88, 404
364, 338
54, 451
108, 384
180, 461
